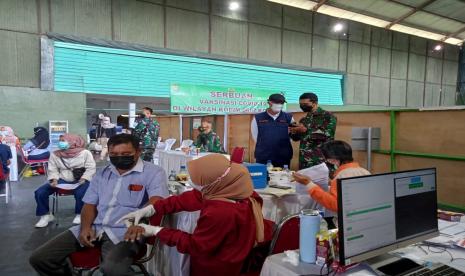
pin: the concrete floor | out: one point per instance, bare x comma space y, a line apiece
18, 236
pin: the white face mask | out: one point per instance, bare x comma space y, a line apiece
195, 186
276, 107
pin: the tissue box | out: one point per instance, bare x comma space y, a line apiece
258, 173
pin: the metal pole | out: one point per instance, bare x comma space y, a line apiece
369, 150
180, 130
225, 132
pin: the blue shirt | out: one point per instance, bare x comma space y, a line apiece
5, 155
32, 150
117, 195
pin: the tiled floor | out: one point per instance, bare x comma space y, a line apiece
18, 237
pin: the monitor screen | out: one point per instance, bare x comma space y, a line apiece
378, 212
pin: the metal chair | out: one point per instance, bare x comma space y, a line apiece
88, 259
4, 177
169, 143
55, 196
29, 163
286, 235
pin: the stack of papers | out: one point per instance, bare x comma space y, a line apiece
67, 186
319, 175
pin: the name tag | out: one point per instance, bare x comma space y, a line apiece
135, 187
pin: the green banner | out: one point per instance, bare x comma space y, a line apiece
187, 98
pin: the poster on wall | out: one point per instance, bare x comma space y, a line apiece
189, 98
57, 128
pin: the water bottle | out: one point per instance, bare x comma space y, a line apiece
172, 176
309, 227
287, 173
269, 166
183, 170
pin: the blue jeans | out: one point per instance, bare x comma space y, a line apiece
44, 191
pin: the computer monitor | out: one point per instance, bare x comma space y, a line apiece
383, 212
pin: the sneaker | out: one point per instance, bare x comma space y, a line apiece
44, 220
77, 219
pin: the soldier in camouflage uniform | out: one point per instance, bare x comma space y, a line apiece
208, 141
313, 130
147, 130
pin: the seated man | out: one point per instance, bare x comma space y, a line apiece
118, 189
208, 141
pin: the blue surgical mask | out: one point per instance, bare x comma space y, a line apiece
63, 145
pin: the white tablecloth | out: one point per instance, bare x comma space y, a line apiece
275, 266
276, 208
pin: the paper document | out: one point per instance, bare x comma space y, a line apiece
67, 186
319, 175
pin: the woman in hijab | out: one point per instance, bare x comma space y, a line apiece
71, 164
38, 147
230, 223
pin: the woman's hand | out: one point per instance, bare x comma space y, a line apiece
81, 181
302, 179
133, 218
142, 230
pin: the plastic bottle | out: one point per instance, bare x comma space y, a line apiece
183, 170
269, 166
287, 173
172, 176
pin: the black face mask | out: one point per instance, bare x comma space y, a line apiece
306, 108
124, 162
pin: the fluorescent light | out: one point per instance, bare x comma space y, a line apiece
338, 27
454, 41
301, 4
234, 6
417, 32
438, 47
337, 12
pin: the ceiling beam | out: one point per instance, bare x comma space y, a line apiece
413, 11
317, 6
429, 12
452, 35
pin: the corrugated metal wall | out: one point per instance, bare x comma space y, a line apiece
383, 67
100, 70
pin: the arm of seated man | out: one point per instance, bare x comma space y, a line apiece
87, 232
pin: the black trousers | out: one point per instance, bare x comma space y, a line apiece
51, 258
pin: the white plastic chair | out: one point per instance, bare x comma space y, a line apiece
169, 143
185, 144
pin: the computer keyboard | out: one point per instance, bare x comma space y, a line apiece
442, 270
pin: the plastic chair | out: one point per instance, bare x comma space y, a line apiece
169, 143
88, 259
286, 235
237, 155
185, 144
4, 177
29, 163
55, 196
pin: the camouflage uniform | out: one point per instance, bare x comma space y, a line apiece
209, 142
147, 130
321, 127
